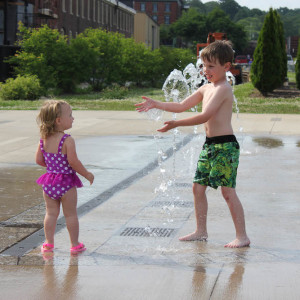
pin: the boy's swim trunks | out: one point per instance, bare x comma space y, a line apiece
218, 162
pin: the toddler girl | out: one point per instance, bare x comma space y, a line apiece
57, 152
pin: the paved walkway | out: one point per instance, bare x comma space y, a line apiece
131, 230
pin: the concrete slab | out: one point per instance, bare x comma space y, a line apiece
154, 267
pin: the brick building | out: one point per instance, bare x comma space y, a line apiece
292, 43
162, 11
70, 17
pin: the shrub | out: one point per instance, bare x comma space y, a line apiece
175, 58
22, 87
44, 52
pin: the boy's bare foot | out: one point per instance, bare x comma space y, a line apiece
195, 236
238, 243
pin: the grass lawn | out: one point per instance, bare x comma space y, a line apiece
248, 99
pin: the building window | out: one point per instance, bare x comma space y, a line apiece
167, 20
154, 7
154, 17
118, 19
167, 7
94, 10
71, 7
77, 8
106, 14
63, 5
88, 9
103, 7
143, 6
82, 9
99, 12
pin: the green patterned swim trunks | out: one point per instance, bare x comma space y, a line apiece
218, 162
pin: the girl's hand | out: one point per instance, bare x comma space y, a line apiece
90, 177
146, 105
168, 125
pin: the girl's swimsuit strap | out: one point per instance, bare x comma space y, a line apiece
61, 142
42, 145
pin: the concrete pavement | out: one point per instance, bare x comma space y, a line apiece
132, 236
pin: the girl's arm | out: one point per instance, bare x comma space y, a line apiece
175, 107
74, 162
39, 158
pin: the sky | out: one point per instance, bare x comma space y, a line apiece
266, 4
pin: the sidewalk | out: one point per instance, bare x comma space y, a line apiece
132, 236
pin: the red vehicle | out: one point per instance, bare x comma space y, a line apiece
241, 59
235, 69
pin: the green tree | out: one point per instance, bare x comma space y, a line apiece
211, 5
230, 7
265, 73
190, 27
198, 5
218, 21
44, 52
282, 51
108, 61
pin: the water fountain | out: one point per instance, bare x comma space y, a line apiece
176, 88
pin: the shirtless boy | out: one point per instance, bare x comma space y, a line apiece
219, 158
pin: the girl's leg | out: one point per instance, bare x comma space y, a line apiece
69, 204
237, 214
200, 202
52, 213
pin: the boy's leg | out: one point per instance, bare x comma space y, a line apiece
69, 204
52, 213
200, 202
237, 213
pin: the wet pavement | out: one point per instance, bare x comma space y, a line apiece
130, 220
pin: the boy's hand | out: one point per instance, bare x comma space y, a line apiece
90, 177
168, 125
146, 105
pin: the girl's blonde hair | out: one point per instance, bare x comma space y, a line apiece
46, 119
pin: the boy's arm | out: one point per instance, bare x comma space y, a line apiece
209, 110
74, 162
175, 107
39, 158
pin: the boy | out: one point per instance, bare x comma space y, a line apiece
219, 158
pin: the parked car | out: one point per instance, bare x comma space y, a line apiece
290, 63
241, 59
290, 60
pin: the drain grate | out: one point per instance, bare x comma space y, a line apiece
169, 203
183, 184
147, 232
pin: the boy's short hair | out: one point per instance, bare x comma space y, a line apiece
218, 50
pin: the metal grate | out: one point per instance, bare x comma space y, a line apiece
169, 203
147, 232
183, 184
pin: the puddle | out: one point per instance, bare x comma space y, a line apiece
267, 142
18, 190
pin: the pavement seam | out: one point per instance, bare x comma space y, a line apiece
35, 239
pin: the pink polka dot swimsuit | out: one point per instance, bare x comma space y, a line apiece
60, 176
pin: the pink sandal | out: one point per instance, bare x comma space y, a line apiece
77, 249
47, 248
